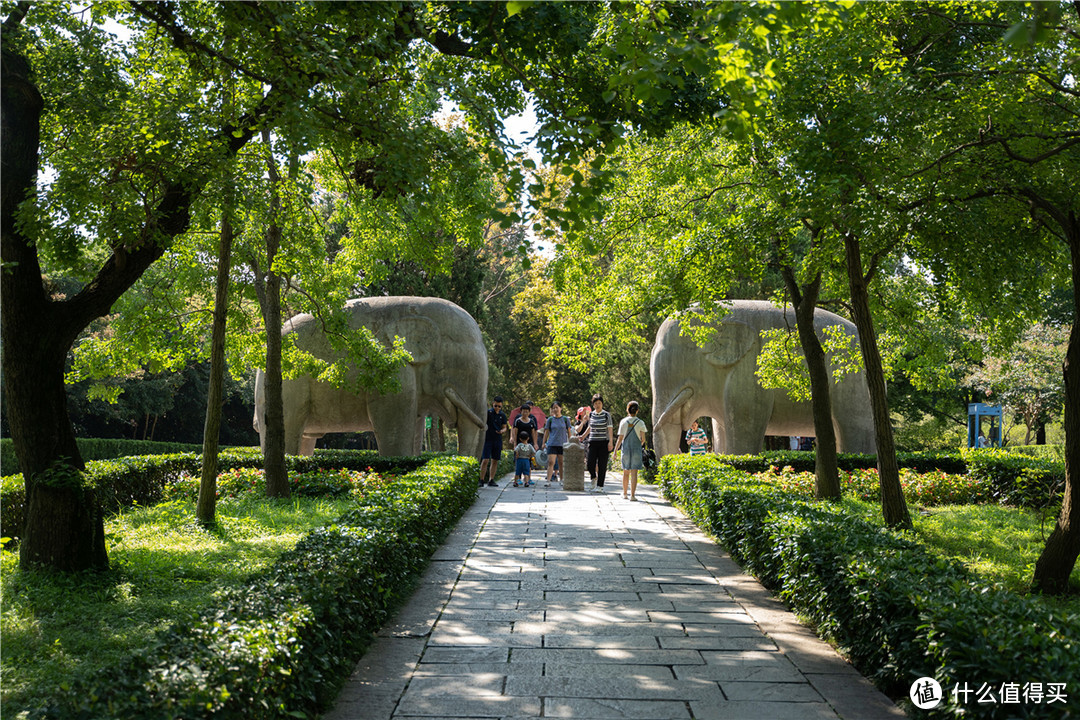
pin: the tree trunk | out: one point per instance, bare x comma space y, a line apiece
277, 474
804, 300
893, 506
1058, 558
64, 528
207, 505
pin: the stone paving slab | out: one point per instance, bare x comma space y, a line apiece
545, 603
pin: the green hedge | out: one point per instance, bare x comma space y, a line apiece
139, 480
1016, 478
279, 646
101, 449
803, 461
897, 611
1045, 452
1013, 478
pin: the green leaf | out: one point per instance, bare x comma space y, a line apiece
516, 6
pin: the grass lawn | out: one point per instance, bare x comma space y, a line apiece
999, 543
164, 567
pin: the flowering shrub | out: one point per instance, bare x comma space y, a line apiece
242, 481
929, 488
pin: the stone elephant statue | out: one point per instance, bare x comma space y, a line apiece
447, 378
718, 380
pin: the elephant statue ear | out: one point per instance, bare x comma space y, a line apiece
731, 341
421, 335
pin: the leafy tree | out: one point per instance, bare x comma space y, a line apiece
1027, 379
113, 211
134, 142
1000, 157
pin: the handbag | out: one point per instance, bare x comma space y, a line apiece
648, 457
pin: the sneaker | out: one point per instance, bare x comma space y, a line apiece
601, 490
492, 483
633, 498
531, 483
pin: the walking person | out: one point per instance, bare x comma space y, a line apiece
493, 442
631, 441
526, 423
523, 455
598, 433
697, 439
556, 433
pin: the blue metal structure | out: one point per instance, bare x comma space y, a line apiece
976, 412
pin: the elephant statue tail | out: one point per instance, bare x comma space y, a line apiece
464, 408
673, 407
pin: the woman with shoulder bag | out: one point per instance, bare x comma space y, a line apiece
631, 440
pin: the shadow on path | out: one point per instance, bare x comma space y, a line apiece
544, 603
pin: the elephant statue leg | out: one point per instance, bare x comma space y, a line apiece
295, 397
294, 434
470, 438
307, 444
397, 425
667, 438
744, 426
854, 435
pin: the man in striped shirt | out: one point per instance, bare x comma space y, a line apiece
599, 433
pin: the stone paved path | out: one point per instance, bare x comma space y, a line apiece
548, 604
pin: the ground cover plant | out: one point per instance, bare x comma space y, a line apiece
957, 517
189, 622
897, 608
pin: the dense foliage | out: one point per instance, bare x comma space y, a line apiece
896, 610
93, 448
976, 476
141, 480
278, 645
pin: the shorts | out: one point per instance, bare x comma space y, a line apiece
555, 450
492, 449
522, 467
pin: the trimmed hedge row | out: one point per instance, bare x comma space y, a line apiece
897, 611
139, 480
1013, 478
279, 646
101, 449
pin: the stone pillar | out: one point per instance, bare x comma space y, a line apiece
573, 470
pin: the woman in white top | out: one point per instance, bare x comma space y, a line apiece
631, 440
